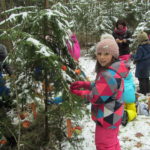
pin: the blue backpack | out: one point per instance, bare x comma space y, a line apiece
129, 89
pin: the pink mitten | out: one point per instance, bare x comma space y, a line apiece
80, 84
80, 92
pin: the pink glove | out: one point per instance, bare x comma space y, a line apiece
80, 84
80, 92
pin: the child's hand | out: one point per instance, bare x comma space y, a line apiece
80, 92
124, 40
117, 40
80, 84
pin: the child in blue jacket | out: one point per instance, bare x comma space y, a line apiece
142, 60
4, 68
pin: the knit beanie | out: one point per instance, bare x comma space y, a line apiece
3, 52
142, 36
109, 46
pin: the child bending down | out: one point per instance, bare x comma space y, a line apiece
105, 94
130, 112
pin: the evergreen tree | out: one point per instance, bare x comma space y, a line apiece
43, 71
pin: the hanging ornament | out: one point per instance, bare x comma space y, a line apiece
78, 71
77, 130
3, 140
49, 87
32, 106
64, 67
69, 128
26, 124
23, 115
55, 100
72, 130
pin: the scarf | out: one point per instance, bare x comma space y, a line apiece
122, 31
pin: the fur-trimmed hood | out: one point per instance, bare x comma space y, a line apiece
142, 37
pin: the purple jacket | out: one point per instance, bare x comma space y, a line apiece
106, 95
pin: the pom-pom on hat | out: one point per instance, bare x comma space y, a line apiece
106, 36
108, 46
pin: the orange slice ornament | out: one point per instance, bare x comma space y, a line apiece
26, 124
77, 71
69, 128
3, 141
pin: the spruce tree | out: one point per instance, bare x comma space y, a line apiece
38, 56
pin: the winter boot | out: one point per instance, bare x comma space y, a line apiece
124, 118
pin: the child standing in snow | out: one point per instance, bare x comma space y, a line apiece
105, 94
142, 60
129, 99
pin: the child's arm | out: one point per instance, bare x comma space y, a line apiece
103, 89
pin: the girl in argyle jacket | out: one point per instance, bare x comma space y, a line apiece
105, 94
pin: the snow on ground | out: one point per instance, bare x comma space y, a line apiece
135, 136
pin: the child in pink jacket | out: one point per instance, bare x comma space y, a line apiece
105, 94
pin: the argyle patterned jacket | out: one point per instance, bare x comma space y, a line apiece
106, 95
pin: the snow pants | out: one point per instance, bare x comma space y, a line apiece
144, 85
106, 139
131, 110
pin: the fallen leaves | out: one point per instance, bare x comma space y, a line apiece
138, 144
138, 135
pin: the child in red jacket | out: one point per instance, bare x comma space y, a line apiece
105, 94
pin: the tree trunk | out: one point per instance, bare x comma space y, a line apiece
46, 99
3, 5
46, 4
11, 4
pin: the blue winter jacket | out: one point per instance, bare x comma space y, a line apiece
142, 59
129, 89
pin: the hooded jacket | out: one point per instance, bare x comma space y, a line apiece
142, 60
106, 95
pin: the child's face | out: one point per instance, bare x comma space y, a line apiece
120, 26
105, 59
